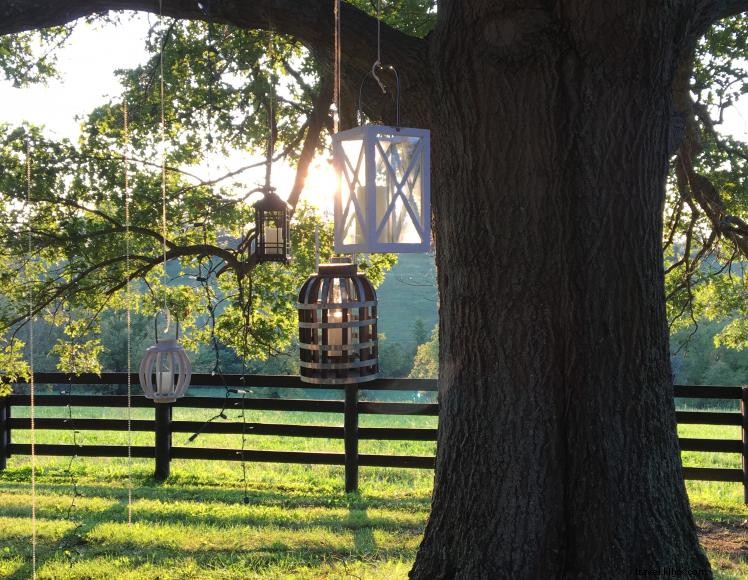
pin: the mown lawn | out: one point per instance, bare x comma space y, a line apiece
297, 521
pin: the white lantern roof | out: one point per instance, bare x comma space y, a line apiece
382, 203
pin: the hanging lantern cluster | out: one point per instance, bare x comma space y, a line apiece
338, 327
272, 241
382, 202
165, 372
382, 205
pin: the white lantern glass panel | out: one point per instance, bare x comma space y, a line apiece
165, 372
399, 190
382, 202
353, 191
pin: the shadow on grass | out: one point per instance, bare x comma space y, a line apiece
358, 520
293, 529
146, 488
71, 545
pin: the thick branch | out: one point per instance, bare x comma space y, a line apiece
712, 11
316, 123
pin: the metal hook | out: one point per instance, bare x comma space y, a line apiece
378, 66
374, 67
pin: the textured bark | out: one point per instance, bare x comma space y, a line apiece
557, 453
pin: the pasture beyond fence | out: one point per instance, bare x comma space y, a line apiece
348, 405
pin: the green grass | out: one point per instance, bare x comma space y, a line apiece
298, 522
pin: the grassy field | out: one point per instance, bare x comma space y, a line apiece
297, 521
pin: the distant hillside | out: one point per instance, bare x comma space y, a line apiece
407, 294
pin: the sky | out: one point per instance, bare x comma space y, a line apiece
87, 65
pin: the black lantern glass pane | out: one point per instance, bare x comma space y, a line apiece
273, 240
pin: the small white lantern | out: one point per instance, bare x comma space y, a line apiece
382, 203
165, 372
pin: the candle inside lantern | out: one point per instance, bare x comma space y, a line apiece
335, 335
166, 383
273, 240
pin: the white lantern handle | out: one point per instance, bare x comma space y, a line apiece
375, 68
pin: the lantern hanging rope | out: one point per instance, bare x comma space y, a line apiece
165, 369
336, 69
128, 300
32, 384
162, 136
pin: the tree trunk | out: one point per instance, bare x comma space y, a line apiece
557, 453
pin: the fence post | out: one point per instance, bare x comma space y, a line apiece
4, 435
744, 429
163, 440
350, 431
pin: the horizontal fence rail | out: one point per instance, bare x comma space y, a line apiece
348, 405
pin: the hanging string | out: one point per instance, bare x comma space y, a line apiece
379, 32
336, 69
32, 386
245, 483
128, 300
71, 422
271, 116
378, 63
162, 134
212, 54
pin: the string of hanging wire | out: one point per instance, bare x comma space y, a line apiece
32, 385
128, 301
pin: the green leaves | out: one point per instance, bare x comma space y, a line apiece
29, 57
12, 364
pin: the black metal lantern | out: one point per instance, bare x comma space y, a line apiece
338, 327
272, 241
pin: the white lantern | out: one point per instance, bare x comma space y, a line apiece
165, 372
382, 202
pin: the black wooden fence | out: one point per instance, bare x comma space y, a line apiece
348, 404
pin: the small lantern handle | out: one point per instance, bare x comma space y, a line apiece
377, 66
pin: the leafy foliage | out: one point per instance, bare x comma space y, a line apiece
706, 212
426, 363
229, 93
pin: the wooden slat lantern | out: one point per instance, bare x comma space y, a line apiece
165, 372
272, 242
382, 202
338, 327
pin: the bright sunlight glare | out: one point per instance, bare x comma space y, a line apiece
87, 65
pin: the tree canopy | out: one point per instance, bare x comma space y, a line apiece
219, 80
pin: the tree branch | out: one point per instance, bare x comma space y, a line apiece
308, 21
711, 11
316, 123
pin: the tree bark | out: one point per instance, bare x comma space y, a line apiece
557, 453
